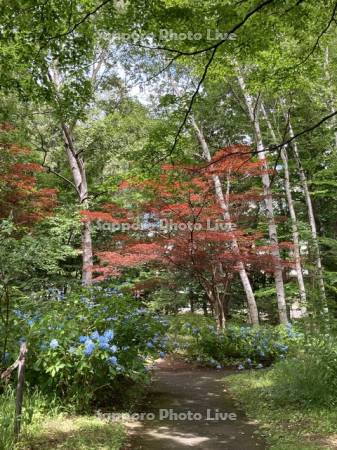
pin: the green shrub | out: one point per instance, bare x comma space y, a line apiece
88, 345
245, 345
309, 379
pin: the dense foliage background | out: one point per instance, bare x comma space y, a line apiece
167, 185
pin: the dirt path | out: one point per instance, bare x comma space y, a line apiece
181, 388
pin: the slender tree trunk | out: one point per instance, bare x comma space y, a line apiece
295, 233
220, 309
294, 227
212, 302
253, 311
79, 175
87, 257
311, 215
19, 390
225, 298
253, 111
77, 167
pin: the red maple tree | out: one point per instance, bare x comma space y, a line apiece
20, 197
186, 228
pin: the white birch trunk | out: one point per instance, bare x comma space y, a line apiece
278, 275
292, 212
79, 175
253, 311
311, 216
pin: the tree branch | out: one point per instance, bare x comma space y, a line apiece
49, 169
77, 24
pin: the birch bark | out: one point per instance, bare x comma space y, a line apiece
292, 212
311, 215
253, 111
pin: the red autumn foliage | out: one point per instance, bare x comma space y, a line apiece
200, 238
20, 196
110, 213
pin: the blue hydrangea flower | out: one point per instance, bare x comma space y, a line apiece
281, 347
112, 360
104, 345
149, 344
103, 338
95, 335
72, 350
259, 366
219, 367
82, 339
54, 343
162, 354
113, 349
110, 319
89, 347
240, 367
108, 334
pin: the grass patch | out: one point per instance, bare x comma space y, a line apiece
74, 433
46, 425
284, 426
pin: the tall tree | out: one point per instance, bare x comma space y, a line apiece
253, 113
291, 207
310, 211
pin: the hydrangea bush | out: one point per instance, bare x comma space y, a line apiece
248, 347
87, 344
